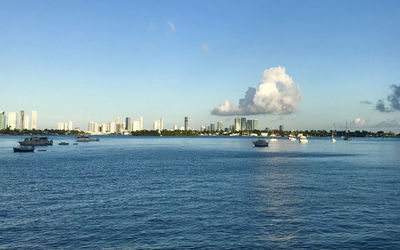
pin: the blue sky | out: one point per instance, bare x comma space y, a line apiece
95, 60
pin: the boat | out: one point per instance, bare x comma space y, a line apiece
292, 138
63, 143
333, 140
36, 141
303, 139
85, 138
23, 149
346, 136
42, 150
273, 137
260, 143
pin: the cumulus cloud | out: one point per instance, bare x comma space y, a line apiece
366, 102
391, 123
205, 48
360, 122
171, 26
393, 100
276, 94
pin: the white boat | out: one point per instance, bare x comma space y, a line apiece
333, 139
292, 138
303, 139
273, 137
260, 143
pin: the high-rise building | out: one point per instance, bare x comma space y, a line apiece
34, 119
70, 125
237, 124
60, 126
156, 125
219, 126
255, 124
2, 120
250, 125
161, 124
128, 124
111, 126
21, 120
243, 124
12, 120
26, 122
212, 127
280, 128
136, 125
140, 123
175, 127
186, 123
92, 126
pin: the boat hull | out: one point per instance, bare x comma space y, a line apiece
23, 150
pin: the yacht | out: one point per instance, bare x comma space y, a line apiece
23, 149
303, 139
63, 143
260, 143
36, 141
85, 138
292, 138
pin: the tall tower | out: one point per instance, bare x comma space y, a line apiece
237, 124
140, 123
21, 120
26, 122
243, 124
12, 120
34, 120
128, 124
2, 120
186, 123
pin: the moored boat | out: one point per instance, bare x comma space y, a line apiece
23, 149
36, 141
63, 143
260, 143
303, 139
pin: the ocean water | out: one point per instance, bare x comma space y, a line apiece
201, 192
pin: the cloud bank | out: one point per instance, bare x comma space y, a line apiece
276, 94
393, 99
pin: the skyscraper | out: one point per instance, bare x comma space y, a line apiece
60, 126
12, 120
21, 120
128, 124
212, 127
26, 122
2, 120
255, 121
161, 124
70, 125
140, 123
243, 124
219, 126
156, 125
186, 123
250, 125
237, 124
34, 120
280, 128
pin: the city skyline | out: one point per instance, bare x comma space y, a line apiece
210, 61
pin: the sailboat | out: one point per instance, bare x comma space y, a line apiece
333, 140
346, 136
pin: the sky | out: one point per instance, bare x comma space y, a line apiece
87, 61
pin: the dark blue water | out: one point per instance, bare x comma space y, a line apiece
213, 192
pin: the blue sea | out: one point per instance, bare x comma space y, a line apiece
201, 192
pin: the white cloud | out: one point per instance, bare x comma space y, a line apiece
276, 94
205, 48
171, 26
390, 123
360, 122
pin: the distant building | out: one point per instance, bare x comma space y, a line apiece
140, 123
128, 124
186, 123
70, 126
92, 127
175, 127
219, 126
111, 126
2, 120
34, 119
12, 120
236, 125
280, 128
21, 120
212, 127
136, 125
243, 124
255, 124
26, 122
161, 124
60, 126
250, 125
232, 127
156, 125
